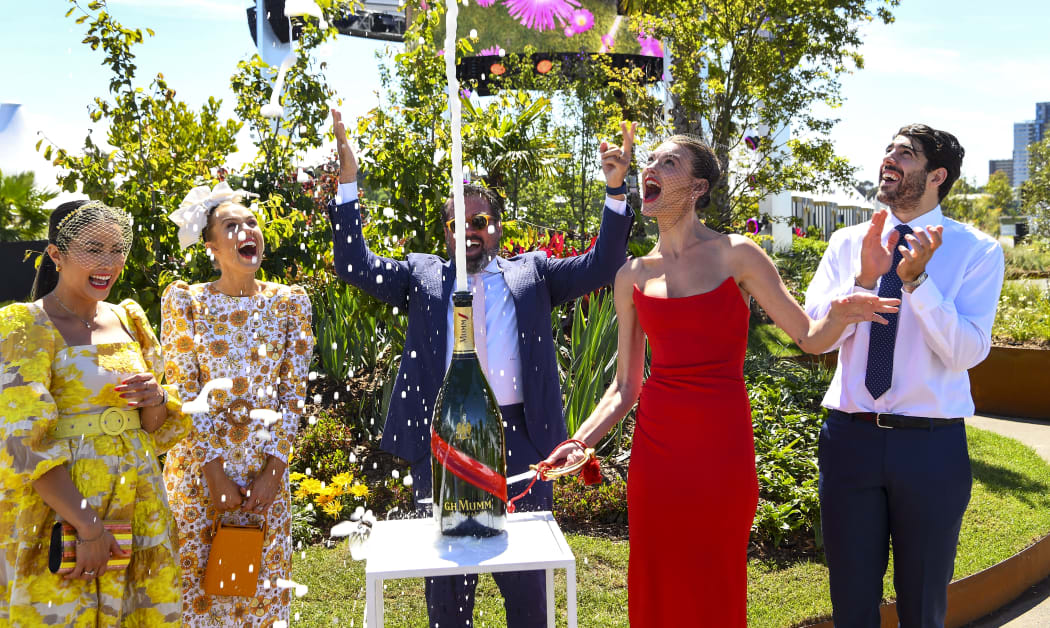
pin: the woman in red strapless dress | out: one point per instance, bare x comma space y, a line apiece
691, 487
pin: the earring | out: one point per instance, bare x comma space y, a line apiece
58, 267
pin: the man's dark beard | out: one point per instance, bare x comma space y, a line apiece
908, 193
476, 265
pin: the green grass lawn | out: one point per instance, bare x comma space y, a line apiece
773, 340
1009, 510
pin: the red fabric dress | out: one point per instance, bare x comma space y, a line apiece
692, 488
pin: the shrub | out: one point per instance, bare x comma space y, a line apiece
1031, 259
786, 413
575, 503
1023, 316
798, 265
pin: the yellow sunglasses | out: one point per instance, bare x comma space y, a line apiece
478, 221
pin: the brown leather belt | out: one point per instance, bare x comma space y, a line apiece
896, 421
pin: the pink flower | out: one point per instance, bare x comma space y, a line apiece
465, 93
607, 43
569, 31
489, 52
486, 3
582, 20
540, 15
651, 47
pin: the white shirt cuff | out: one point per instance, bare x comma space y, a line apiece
620, 207
924, 298
347, 192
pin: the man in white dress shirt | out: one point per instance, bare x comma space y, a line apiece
893, 457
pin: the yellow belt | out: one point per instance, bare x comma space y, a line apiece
111, 421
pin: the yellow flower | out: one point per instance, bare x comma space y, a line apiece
332, 509
324, 499
296, 476
343, 480
359, 490
307, 487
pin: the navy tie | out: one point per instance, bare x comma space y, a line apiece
879, 375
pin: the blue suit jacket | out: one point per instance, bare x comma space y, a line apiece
421, 286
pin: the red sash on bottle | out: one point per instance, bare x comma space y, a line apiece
468, 469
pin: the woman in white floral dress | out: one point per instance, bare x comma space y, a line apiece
234, 466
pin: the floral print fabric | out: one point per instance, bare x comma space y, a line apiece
263, 343
42, 379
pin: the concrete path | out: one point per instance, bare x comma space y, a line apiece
1032, 609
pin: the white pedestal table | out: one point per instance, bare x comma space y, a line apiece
413, 548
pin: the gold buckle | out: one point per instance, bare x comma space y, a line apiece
113, 421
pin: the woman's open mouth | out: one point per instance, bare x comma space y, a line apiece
100, 281
249, 251
650, 190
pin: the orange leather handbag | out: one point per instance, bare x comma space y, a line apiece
235, 559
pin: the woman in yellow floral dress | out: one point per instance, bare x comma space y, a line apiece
83, 419
234, 466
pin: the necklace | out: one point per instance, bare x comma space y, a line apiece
87, 323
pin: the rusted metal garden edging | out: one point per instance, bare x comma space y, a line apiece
1013, 381
984, 592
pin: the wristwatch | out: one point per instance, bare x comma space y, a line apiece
910, 286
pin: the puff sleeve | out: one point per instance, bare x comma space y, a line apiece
27, 408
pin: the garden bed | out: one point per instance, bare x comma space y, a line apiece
1010, 509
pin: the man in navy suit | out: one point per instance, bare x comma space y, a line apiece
514, 344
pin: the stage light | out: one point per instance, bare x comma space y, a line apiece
544, 66
497, 69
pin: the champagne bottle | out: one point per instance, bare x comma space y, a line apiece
466, 439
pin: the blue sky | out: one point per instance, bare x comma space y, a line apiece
971, 67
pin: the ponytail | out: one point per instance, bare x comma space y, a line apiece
46, 278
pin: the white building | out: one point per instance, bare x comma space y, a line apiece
831, 210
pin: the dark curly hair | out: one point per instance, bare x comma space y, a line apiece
942, 150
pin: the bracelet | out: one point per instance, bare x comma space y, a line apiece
97, 537
164, 401
622, 189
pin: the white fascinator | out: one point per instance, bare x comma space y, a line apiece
192, 214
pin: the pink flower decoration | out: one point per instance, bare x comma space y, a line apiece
489, 52
651, 47
486, 3
569, 31
607, 43
541, 15
582, 20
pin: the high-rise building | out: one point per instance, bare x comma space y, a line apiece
1006, 166
1026, 133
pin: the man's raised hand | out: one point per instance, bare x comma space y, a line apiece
876, 257
347, 161
617, 159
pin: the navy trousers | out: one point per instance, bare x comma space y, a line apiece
911, 485
450, 599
